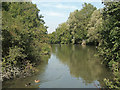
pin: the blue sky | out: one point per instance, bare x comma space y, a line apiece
56, 12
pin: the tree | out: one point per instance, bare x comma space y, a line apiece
110, 45
78, 21
63, 33
24, 35
94, 27
74, 30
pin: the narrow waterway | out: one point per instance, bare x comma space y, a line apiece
69, 66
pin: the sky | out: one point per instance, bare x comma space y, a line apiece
56, 12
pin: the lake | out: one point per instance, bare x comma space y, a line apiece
69, 66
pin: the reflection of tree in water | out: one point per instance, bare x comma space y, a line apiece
81, 62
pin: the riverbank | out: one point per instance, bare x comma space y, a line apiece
27, 39
24, 70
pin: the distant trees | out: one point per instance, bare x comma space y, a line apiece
98, 27
74, 30
24, 35
79, 21
63, 33
94, 28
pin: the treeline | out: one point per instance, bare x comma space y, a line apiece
24, 38
97, 27
75, 29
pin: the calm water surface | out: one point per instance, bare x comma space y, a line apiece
69, 66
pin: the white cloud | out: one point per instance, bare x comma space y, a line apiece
55, 14
51, 13
46, 5
60, 6
65, 6
66, 0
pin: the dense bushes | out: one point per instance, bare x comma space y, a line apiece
24, 36
109, 48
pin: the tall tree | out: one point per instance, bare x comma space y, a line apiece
94, 27
78, 21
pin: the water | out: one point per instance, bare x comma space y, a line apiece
70, 66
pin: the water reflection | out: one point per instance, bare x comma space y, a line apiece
81, 61
69, 66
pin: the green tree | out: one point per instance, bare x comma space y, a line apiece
74, 29
78, 21
110, 45
94, 27
24, 35
63, 33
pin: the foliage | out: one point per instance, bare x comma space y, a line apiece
110, 45
78, 21
63, 33
24, 35
94, 28
74, 29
